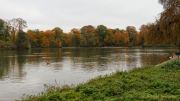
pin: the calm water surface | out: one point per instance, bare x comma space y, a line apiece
25, 72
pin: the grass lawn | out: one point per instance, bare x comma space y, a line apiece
153, 83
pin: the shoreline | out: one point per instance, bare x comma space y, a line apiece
132, 47
158, 82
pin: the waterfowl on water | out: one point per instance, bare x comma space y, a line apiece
46, 60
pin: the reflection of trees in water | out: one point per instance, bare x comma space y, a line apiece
11, 64
21, 60
153, 58
149, 56
58, 55
43, 55
49, 57
6, 62
55, 58
90, 58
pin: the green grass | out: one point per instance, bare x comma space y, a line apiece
154, 83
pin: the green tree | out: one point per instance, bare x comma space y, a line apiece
2, 29
102, 32
1, 25
4, 35
22, 41
15, 26
132, 35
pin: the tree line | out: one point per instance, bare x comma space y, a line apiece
87, 36
165, 31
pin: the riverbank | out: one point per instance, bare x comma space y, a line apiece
11, 46
161, 82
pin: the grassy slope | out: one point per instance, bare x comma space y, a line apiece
156, 83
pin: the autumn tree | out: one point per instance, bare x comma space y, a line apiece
34, 37
47, 39
121, 37
89, 37
58, 36
75, 37
170, 20
143, 31
109, 38
118, 38
67, 39
125, 37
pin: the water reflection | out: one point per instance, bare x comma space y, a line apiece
88, 59
31, 69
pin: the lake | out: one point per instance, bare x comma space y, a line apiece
26, 72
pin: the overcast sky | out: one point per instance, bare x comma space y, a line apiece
68, 14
